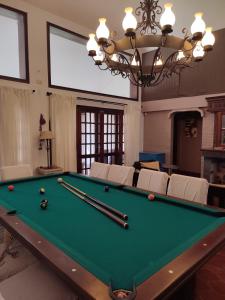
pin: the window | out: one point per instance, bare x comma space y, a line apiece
99, 137
70, 67
13, 46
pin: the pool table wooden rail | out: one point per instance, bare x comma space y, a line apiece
163, 284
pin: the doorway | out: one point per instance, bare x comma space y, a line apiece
187, 142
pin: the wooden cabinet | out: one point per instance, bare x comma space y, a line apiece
219, 129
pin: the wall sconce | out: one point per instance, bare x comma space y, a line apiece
45, 138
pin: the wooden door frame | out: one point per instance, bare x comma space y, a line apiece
172, 115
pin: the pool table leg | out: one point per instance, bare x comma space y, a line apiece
7, 242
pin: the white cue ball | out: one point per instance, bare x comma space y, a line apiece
60, 180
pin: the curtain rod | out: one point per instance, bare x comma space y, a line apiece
95, 100
102, 101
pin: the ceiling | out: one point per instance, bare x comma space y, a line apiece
87, 12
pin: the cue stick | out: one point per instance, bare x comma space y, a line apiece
109, 208
99, 208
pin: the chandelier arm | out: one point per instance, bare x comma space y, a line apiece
170, 71
193, 45
131, 44
161, 73
133, 80
140, 62
154, 60
136, 51
128, 64
109, 46
102, 68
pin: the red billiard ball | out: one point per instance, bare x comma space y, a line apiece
151, 197
11, 188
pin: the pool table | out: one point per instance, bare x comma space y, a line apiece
165, 244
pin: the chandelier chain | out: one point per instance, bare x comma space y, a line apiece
148, 10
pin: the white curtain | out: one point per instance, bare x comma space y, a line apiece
63, 118
132, 132
15, 136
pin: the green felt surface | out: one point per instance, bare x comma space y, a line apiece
158, 231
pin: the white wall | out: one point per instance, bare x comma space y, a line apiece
37, 41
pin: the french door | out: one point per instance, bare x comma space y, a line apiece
99, 137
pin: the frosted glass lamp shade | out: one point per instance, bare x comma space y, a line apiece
208, 40
92, 45
198, 52
198, 27
167, 19
129, 22
102, 31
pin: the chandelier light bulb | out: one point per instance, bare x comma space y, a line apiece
114, 57
167, 19
159, 62
180, 55
198, 52
102, 32
208, 40
134, 62
99, 57
198, 27
92, 45
129, 22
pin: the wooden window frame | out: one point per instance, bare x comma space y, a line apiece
132, 88
26, 51
100, 154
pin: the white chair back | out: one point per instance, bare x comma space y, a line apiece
15, 172
154, 181
188, 188
121, 174
99, 170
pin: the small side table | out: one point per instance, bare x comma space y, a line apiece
48, 171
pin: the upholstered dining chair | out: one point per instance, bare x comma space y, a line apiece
188, 188
121, 174
154, 181
99, 170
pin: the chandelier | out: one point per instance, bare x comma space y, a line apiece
124, 57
